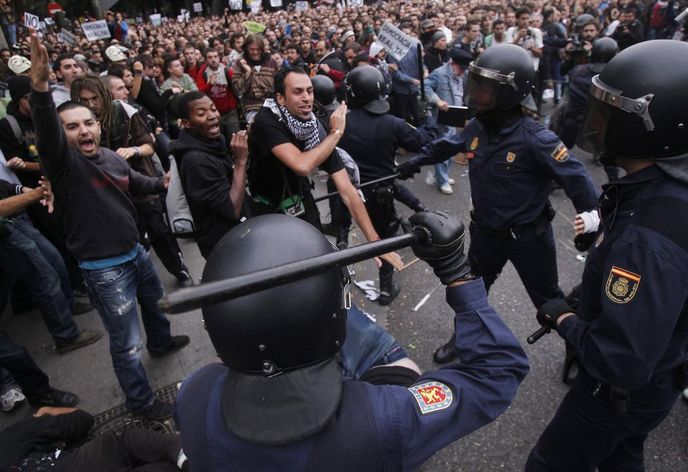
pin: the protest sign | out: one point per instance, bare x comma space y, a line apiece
94, 30
396, 41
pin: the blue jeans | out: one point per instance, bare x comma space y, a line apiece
11, 32
28, 256
16, 360
113, 292
367, 345
442, 169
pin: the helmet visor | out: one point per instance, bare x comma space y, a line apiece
603, 120
592, 133
483, 87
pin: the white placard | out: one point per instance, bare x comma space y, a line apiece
180, 18
255, 6
66, 37
156, 19
48, 21
94, 30
396, 41
31, 21
198, 7
301, 5
275, 3
236, 5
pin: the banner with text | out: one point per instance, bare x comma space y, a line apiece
396, 41
94, 30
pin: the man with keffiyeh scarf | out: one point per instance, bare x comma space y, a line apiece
286, 144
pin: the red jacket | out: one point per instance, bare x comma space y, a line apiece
222, 95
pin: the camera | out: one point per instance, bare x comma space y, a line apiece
577, 42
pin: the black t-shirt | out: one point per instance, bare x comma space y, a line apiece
267, 173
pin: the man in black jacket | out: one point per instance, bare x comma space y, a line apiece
214, 182
93, 188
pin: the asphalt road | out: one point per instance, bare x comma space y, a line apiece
502, 445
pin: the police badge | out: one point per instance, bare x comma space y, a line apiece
622, 285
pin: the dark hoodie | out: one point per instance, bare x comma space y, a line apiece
206, 171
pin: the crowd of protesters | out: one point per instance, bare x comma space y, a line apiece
146, 88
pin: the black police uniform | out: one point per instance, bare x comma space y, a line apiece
510, 173
372, 140
631, 332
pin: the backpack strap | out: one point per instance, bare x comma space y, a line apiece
16, 130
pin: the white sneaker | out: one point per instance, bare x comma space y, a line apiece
451, 181
430, 178
10, 399
446, 189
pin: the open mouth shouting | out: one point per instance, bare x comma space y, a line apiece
87, 145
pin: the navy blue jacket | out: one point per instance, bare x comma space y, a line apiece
632, 325
510, 174
372, 141
387, 427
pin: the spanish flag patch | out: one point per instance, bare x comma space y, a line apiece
622, 285
560, 153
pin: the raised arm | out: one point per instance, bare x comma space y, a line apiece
50, 138
303, 163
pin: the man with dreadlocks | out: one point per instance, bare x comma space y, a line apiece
286, 144
124, 131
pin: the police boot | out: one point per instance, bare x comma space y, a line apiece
447, 352
342, 237
388, 288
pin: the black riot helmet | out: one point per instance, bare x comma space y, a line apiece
500, 79
324, 91
285, 327
280, 343
366, 88
603, 50
634, 115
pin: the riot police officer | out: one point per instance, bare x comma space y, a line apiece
278, 402
372, 139
630, 332
512, 160
603, 50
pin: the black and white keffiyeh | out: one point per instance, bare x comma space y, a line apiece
307, 132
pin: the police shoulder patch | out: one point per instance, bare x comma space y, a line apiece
622, 285
432, 396
560, 153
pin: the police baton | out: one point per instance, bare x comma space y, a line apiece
360, 186
535, 337
215, 292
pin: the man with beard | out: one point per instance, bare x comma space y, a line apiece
215, 80
92, 187
287, 144
512, 160
254, 75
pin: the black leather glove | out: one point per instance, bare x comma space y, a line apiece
550, 311
407, 170
584, 241
443, 250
